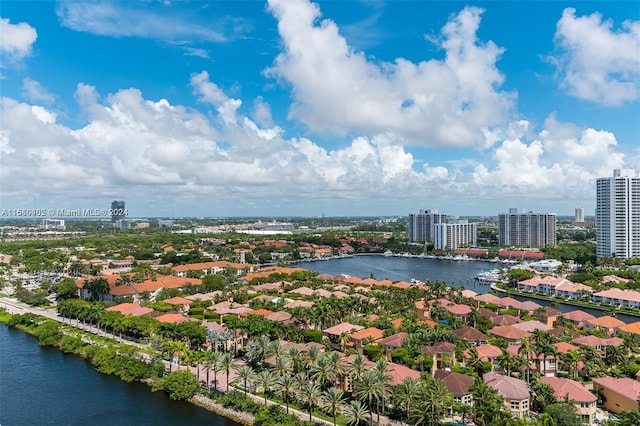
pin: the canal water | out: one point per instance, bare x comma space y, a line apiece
452, 272
42, 386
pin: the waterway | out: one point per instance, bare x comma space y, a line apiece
43, 386
396, 268
452, 272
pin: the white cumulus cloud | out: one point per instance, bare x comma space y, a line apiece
339, 90
17, 40
597, 62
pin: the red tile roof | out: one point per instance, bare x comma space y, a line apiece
568, 389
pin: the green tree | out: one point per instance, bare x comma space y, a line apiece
181, 385
66, 289
564, 413
332, 400
356, 414
265, 380
97, 288
310, 396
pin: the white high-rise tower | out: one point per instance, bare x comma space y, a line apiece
618, 215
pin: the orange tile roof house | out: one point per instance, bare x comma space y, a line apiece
362, 337
509, 333
514, 392
570, 390
606, 323
334, 333
172, 318
633, 328
598, 342
135, 290
620, 394
578, 317
130, 309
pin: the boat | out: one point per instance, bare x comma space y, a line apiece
489, 277
388, 253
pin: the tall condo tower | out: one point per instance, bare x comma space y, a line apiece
579, 215
526, 229
421, 225
618, 215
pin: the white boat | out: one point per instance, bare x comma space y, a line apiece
489, 277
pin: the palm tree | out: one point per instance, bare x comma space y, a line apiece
356, 367
356, 413
332, 400
406, 394
322, 371
571, 359
507, 362
286, 386
488, 403
312, 355
246, 375
433, 402
368, 388
227, 362
309, 394
525, 350
211, 362
282, 366
385, 377
265, 380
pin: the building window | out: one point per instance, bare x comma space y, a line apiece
515, 405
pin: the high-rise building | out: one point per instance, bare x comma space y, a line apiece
454, 234
117, 211
526, 229
579, 215
618, 215
421, 225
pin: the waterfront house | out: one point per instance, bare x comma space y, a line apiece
619, 298
574, 291
514, 392
570, 390
619, 394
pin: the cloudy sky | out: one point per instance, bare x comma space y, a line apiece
301, 108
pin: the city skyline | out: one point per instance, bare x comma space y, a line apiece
297, 108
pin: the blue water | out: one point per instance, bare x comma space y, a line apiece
43, 386
452, 272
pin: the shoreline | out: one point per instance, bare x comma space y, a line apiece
578, 303
199, 400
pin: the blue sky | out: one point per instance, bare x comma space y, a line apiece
291, 107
